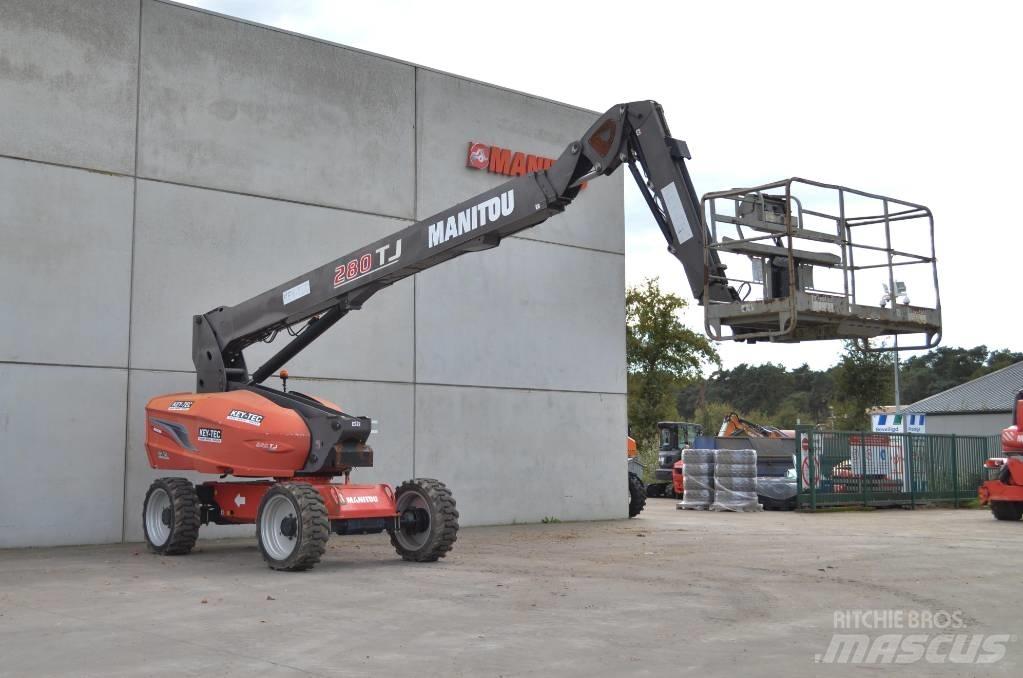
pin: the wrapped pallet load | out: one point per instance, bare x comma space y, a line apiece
697, 479
735, 481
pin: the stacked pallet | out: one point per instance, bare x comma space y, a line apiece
735, 481
697, 479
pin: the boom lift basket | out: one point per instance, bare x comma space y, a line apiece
828, 262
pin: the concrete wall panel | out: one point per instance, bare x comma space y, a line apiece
525, 315
235, 106
452, 112
197, 249
62, 446
521, 456
390, 404
65, 262
68, 82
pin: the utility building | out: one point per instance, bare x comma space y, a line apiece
157, 161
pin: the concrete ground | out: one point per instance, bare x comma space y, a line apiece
669, 593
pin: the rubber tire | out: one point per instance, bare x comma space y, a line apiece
735, 457
654, 490
443, 520
637, 495
697, 497
698, 456
313, 527
735, 484
698, 469
743, 470
184, 527
1007, 510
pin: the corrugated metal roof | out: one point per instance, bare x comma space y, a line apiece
995, 392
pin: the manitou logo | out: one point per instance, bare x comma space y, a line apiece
470, 219
362, 500
479, 155
504, 161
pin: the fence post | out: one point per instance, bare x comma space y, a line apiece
863, 466
811, 455
907, 468
955, 471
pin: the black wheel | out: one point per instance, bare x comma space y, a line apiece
637, 495
292, 526
170, 516
427, 520
655, 490
1007, 510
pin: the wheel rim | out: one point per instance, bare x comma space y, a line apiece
157, 529
415, 520
278, 527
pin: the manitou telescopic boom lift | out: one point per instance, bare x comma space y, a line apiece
235, 426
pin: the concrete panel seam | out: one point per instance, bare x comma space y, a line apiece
391, 59
565, 244
392, 382
415, 215
51, 163
31, 363
405, 219
131, 276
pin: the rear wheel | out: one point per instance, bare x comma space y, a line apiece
427, 520
637, 495
292, 526
170, 516
1007, 510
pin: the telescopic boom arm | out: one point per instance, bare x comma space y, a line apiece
634, 133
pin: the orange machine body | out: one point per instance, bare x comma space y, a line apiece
235, 432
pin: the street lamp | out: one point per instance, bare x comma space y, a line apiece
899, 295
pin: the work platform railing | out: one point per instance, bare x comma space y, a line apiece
828, 262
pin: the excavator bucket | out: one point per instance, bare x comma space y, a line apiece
817, 261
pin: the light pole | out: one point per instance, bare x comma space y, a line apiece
897, 292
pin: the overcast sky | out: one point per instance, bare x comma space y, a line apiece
916, 100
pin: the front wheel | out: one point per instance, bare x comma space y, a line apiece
1007, 510
637, 495
292, 526
427, 520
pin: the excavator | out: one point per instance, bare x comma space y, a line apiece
284, 458
734, 426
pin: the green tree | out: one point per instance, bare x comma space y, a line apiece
863, 379
662, 354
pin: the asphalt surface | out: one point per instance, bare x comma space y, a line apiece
669, 593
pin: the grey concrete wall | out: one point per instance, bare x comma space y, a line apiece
157, 161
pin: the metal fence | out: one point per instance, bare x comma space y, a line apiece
889, 469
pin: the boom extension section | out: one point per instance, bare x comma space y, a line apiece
634, 133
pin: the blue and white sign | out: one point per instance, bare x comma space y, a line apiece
893, 423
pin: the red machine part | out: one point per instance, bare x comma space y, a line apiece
239, 501
677, 478
1006, 491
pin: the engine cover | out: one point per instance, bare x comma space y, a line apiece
250, 433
